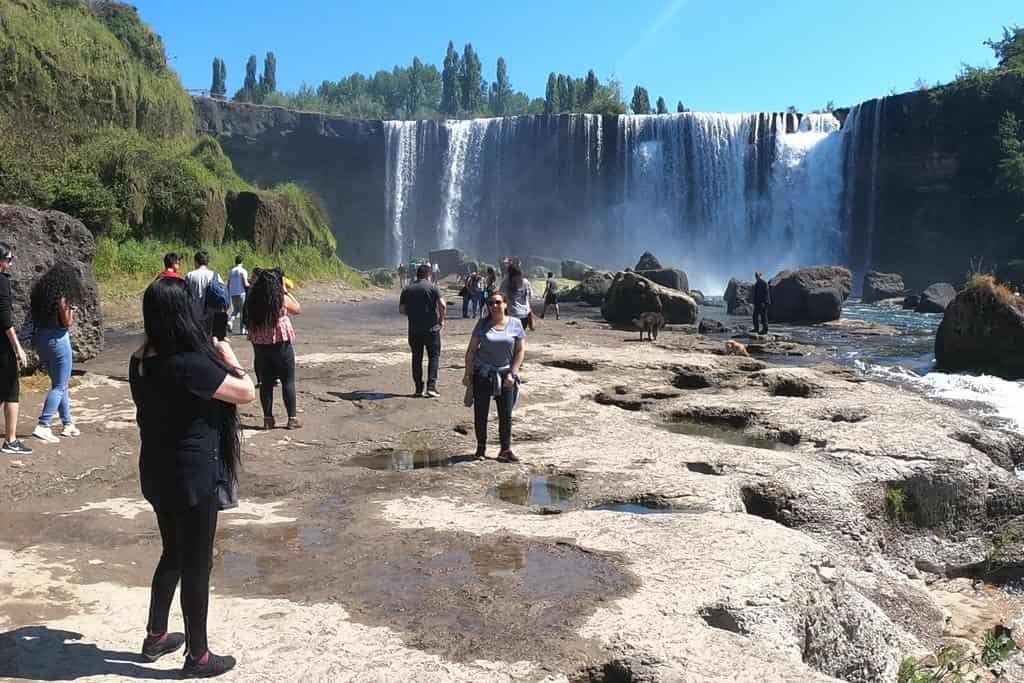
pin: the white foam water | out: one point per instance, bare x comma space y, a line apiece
1002, 398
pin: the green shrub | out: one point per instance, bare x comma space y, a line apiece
896, 504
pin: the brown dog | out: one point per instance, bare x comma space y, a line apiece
650, 323
734, 348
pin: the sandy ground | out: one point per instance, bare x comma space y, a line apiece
336, 567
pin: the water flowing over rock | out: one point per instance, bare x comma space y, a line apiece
809, 295
982, 331
880, 286
41, 239
935, 298
862, 188
632, 294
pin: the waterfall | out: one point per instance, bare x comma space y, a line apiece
861, 189
715, 194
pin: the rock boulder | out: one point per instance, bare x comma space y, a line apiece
632, 294
648, 261
800, 296
41, 239
575, 270
910, 301
697, 296
982, 330
879, 286
739, 297
936, 298
272, 221
533, 264
672, 278
592, 289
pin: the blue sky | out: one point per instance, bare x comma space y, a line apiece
714, 55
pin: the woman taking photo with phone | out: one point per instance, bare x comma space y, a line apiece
186, 388
267, 311
495, 354
53, 302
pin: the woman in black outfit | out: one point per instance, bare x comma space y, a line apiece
185, 387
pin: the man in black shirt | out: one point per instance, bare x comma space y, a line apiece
12, 358
762, 298
423, 304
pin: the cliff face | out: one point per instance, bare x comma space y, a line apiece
341, 160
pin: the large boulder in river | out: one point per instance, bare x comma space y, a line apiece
739, 297
648, 261
632, 294
41, 239
673, 278
575, 270
800, 296
879, 286
936, 298
592, 289
982, 330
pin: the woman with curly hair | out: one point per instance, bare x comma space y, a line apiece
54, 300
267, 308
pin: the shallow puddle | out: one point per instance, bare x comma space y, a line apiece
549, 491
736, 437
401, 460
637, 509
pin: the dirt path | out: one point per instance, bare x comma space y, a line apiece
351, 559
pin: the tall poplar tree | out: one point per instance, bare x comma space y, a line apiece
249, 85
641, 103
590, 88
551, 95
268, 81
502, 90
662, 107
471, 81
680, 107
450, 83
218, 88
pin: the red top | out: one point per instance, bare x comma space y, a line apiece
169, 273
281, 332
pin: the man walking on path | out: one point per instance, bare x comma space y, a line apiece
12, 358
762, 298
423, 304
238, 285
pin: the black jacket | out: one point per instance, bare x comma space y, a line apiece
762, 294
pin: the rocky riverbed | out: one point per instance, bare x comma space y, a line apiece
679, 515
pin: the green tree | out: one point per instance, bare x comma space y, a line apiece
662, 107
791, 109
502, 90
1011, 156
249, 85
218, 88
641, 103
450, 83
571, 94
564, 103
268, 80
680, 107
415, 92
551, 102
1010, 50
590, 87
471, 81
608, 101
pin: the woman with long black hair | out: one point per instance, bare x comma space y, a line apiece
267, 310
186, 388
54, 300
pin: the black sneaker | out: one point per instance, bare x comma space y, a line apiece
481, 452
418, 393
155, 648
507, 456
15, 447
215, 665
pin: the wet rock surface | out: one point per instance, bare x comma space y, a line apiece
935, 298
880, 286
809, 295
689, 553
982, 331
631, 295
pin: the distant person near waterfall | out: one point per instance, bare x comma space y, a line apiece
519, 296
551, 297
422, 303
762, 298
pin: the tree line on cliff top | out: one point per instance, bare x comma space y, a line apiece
422, 91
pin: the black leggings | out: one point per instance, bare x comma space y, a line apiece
187, 537
275, 362
483, 390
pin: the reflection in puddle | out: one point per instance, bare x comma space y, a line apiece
638, 509
735, 437
550, 491
401, 460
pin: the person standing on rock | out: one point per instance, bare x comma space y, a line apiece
762, 299
551, 297
493, 359
53, 303
422, 303
267, 312
519, 296
238, 285
12, 358
172, 267
186, 388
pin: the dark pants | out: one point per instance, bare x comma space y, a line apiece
431, 343
187, 556
483, 390
465, 305
275, 362
761, 314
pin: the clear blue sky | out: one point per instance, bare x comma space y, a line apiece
715, 55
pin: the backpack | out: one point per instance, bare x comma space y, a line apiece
216, 297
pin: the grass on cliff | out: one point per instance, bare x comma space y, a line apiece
984, 286
125, 268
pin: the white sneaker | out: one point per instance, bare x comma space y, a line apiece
45, 434
71, 430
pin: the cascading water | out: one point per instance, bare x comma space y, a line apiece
715, 194
861, 191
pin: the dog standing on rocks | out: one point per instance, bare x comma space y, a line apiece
650, 323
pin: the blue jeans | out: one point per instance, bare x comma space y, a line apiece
54, 348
